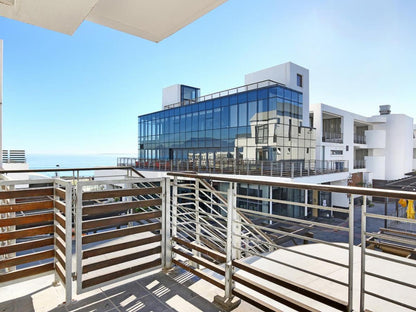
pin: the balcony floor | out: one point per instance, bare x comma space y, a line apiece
155, 291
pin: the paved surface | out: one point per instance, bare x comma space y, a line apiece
156, 291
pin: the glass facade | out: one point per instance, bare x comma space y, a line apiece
260, 124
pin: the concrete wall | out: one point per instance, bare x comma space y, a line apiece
286, 74
171, 95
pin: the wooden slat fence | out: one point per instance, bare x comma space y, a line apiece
33, 227
118, 230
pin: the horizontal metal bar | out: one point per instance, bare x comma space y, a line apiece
377, 254
392, 218
293, 250
193, 221
392, 280
279, 217
20, 182
392, 238
292, 235
120, 181
210, 238
280, 201
296, 268
390, 300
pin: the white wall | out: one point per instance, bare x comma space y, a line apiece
347, 129
286, 74
171, 95
399, 146
376, 165
340, 199
17, 166
376, 138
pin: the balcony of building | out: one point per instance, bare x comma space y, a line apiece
190, 242
282, 168
14, 156
359, 158
359, 132
332, 128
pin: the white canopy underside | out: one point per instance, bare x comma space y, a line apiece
153, 20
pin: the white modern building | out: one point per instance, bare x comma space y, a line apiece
283, 140
378, 148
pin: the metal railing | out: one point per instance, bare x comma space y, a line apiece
359, 163
360, 139
281, 168
332, 137
236, 90
263, 277
195, 221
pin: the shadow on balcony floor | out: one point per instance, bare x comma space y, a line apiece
176, 291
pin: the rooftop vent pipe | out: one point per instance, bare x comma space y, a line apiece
385, 109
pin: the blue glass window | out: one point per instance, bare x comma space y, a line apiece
252, 111
217, 103
262, 93
273, 92
233, 99
252, 95
208, 119
217, 118
208, 105
224, 101
233, 116
287, 94
242, 97
280, 91
225, 116
201, 121
242, 114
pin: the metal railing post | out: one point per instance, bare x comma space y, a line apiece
174, 207
68, 243
229, 284
292, 170
78, 236
363, 247
350, 253
197, 222
166, 238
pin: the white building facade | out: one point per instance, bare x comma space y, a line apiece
378, 148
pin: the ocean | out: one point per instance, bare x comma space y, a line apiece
50, 161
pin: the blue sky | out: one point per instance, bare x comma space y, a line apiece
83, 93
